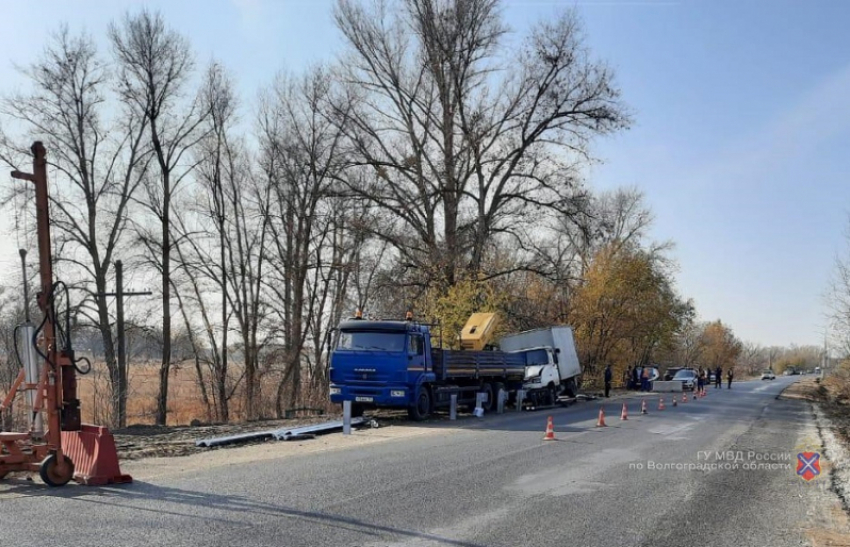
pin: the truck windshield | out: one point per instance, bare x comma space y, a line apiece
537, 357
371, 341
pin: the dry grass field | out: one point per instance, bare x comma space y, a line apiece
185, 403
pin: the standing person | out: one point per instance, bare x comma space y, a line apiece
729, 376
635, 381
718, 378
608, 377
627, 378
699, 380
644, 385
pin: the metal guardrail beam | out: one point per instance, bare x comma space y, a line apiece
233, 439
279, 434
285, 433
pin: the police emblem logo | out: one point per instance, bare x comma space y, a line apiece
808, 461
808, 465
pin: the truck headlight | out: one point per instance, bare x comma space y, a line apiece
335, 391
397, 393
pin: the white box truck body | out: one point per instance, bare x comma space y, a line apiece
564, 371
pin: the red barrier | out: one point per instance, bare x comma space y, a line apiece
92, 449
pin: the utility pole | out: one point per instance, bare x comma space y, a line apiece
119, 294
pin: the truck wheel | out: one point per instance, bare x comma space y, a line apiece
570, 388
422, 408
490, 404
496, 387
356, 410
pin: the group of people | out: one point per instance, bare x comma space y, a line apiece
704, 379
638, 378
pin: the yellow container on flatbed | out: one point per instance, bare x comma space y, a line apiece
478, 331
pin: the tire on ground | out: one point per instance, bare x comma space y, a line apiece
490, 403
421, 408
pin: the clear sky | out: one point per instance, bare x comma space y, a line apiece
742, 112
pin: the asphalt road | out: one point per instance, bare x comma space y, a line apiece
493, 482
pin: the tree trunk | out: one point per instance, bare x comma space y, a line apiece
165, 368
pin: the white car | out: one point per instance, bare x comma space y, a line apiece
688, 377
768, 375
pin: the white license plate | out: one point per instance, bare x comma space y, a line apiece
364, 399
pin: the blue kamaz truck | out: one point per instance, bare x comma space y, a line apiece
394, 364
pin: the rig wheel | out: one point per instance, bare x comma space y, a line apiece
52, 474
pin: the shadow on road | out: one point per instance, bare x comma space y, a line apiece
156, 499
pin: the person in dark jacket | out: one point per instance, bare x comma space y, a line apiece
627, 378
608, 377
718, 378
729, 376
635, 379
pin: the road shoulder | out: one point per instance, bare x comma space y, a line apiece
830, 523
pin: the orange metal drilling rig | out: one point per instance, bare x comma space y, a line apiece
57, 445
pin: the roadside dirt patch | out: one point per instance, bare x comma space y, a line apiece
827, 399
830, 530
147, 441
807, 390
154, 468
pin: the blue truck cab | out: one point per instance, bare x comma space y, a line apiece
383, 364
392, 364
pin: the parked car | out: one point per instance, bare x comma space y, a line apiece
654, 374
768, 375
671, 372
688, 377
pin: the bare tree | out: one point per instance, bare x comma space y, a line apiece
452, 130
98, 164
753, 358
690, 344
155, 64
838, 300
302, 157
223, 252
620, 217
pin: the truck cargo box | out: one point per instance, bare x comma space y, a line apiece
559, 338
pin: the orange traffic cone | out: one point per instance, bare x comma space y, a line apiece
601, 421
684, 398
643, 409
550, 430
661, 403
624, 415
